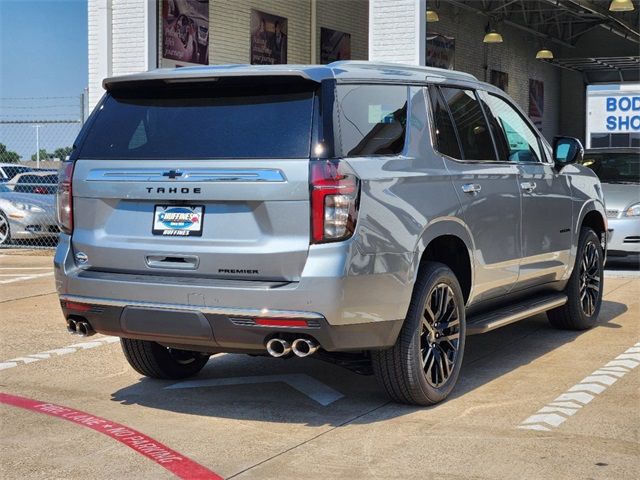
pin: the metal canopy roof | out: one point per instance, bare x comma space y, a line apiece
602, 69
559, 21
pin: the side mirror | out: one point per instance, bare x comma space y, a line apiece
567, 150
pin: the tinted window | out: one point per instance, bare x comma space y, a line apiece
614, 167
370, 119
522, 142
471, 124
199, 122
444, 129
11, 172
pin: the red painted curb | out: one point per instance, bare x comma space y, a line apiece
169, 459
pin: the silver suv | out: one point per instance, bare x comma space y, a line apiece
371, 215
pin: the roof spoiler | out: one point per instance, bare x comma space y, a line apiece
202, 75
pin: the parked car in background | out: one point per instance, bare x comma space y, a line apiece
10, 170
619, 173
26, 216
40, 182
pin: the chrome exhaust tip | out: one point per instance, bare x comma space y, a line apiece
72, 326
84, 329
303, 347
278, 347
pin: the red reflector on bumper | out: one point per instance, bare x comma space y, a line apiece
280, 322
76, 307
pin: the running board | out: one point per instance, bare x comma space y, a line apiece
504, 316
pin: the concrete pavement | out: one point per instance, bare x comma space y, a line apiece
272, 430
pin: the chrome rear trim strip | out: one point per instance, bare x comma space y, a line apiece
227, 311
185, 175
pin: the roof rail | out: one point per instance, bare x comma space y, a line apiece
403, 66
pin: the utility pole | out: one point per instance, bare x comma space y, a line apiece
82, 108
37, 127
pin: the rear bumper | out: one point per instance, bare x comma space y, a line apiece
212, 330
343, 312
624, 236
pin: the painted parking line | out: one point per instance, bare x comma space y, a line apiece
56, 352
26, 277
25, 268
569, 403
176, 463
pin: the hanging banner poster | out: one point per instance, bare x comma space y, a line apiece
334, 45
536, 102
268, 39
441, 51
185, 32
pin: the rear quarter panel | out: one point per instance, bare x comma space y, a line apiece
406, 201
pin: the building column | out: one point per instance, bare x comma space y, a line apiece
398, 31
99, 47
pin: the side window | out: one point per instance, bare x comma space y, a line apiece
471, 124
446, 137
522, 142
371, 119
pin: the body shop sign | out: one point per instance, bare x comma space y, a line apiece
614, 112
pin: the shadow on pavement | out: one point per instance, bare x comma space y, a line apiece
487, 358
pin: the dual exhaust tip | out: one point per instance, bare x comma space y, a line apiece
301, 347
80, 327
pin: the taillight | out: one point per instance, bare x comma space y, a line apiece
334, 201
64, 198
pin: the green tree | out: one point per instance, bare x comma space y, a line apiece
43, 155
62, 153
7, 156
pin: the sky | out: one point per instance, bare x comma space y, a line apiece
43, 53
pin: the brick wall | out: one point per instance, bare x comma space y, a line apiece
516, 57
98, 47
129, 42
394, 31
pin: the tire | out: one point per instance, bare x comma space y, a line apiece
153, 360
400, 368
5, 230
584, 289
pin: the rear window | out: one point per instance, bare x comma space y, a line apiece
202, 123
370, 119
11, 172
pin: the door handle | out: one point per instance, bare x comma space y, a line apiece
528, 186
175, 262
471, 188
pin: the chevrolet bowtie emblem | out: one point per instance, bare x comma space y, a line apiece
172, 174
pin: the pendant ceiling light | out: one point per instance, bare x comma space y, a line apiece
544, 54
432, 16
493, 37
621, 6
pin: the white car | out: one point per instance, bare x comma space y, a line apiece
27, 217
44, 182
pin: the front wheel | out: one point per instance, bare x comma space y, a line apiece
5, 230
423, 366
584, 289
153, 360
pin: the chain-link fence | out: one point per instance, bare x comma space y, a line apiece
32, 147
